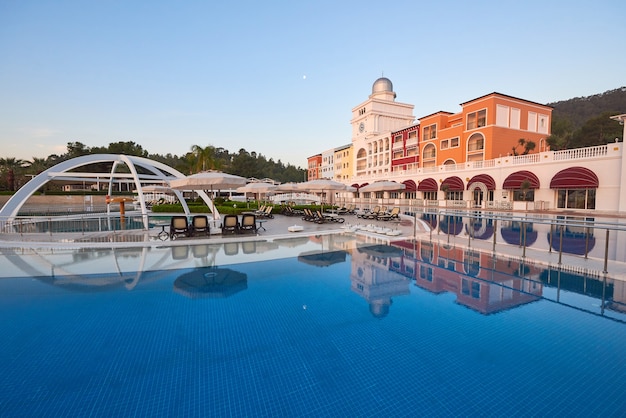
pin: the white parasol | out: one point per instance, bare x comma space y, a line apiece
324, 185
257, 188
208, 180
383, 186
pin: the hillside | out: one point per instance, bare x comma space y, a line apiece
581, 109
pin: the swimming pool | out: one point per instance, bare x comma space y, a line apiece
321, 326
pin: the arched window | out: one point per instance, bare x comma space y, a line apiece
429, 156
361, 159
476, 147
450, 162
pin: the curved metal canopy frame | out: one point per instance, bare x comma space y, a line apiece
159, 173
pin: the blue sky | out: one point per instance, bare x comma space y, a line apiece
280, 78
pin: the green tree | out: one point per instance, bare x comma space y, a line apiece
527, 146
121, 147
600, 130
204, 157
10, 168
76, 149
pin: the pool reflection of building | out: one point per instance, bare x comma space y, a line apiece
577, 237
373, 278
480, 280
380, 271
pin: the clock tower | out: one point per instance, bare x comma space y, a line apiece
380, 112
373, 121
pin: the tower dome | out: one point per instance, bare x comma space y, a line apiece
383, 84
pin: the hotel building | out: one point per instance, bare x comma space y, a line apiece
491, 154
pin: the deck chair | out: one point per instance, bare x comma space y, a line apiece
248, 223
308, 215
267, 212
230, 225
179, 225
371, 214
260, 211
394, 214
200, 225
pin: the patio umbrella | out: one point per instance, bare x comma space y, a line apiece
208, 180
322, 259
211, 282
288, 187
383, 186
324, 185
257, 188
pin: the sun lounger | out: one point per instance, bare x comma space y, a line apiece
200, 225
248, 223
230, 225
394, 214
179, 226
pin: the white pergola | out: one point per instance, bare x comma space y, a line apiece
158, 173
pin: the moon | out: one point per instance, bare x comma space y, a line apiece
304, 77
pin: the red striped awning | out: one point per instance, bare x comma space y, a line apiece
427, 185
483, 178
454, 183
574, 178
410, 186
514, 181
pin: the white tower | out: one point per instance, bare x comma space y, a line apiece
372, 123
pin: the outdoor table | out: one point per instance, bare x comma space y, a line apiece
163, 235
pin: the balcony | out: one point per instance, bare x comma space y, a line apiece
548, 157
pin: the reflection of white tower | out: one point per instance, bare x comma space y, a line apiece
372, 122
371, 278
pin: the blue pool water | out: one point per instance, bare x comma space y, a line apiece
386, 332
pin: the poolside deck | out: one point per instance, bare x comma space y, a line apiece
270, 228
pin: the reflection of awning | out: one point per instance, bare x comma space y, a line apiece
452, 225
322, 259
579, 244
211, 282
483, 178
427, 185
513, 236
454, 183
574, 178
514, 181
482, 230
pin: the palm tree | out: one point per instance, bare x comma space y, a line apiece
37, 166
524, 187
9, 166
204, 157
527, 145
